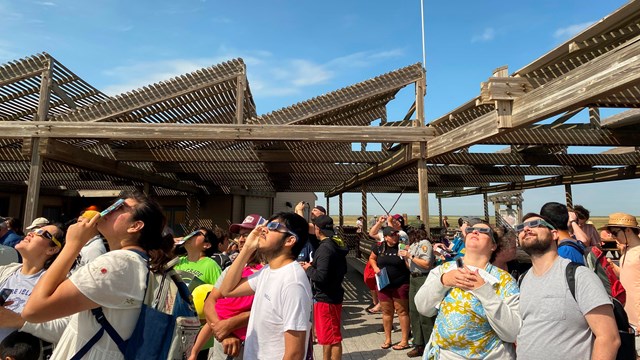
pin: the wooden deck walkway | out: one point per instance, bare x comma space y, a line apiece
360, 339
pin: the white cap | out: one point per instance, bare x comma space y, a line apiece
38, 223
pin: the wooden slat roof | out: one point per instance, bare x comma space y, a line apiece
597, 68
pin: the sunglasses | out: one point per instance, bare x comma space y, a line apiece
280, 227
481, 230
615, 231
47, 235
534, 224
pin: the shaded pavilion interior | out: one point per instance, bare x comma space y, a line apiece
198, 135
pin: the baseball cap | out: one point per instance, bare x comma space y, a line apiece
37, 223
321, 208
388, 230
325, 224
250, 222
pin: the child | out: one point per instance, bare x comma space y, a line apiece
20, 346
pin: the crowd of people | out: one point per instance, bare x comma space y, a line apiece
271, 287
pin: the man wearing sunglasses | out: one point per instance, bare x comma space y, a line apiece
555, 325
280, 319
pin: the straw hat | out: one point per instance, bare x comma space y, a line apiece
621, 220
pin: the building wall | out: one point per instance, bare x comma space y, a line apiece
286, 201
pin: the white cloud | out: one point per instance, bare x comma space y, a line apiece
46, 3
487, 35
269, 76
571, 30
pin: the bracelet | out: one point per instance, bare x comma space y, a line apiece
442, 279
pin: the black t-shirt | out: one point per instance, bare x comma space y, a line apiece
396, 267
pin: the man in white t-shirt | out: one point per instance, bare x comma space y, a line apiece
280, 319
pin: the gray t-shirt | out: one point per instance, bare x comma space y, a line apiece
553, 323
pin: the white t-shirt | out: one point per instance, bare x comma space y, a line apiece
91, 250
22, 285
116, 281
282, 302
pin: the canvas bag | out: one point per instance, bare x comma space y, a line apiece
167, 326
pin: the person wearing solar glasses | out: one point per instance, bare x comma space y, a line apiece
280, 319
476, 302
38, 250
555, 324
115, 281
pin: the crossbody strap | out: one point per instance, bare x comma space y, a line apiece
98, 314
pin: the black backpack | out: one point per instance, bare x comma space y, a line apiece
627, 349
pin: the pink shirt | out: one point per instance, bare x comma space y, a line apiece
630, 279
232, 306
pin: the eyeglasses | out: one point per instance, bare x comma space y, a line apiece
47, 235
615, 231
280, 227
534, 224
481, 230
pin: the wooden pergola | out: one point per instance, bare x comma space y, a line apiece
199, 134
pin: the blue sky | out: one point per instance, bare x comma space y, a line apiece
296, 50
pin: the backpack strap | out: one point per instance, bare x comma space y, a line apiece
104, 326
98, 314
570, 274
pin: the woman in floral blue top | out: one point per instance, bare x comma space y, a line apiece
476, 304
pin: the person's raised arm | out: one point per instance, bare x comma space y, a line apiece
604, 328
54, 296
577, 231
373, 232
233, 284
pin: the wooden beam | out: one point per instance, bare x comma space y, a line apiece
213, 132
609, 73
23, 69
251, 156
74, 156
631, 158
63, 95
576, 135
399, 159
603, 175
241, 87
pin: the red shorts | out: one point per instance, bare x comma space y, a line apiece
327, 318
388, 294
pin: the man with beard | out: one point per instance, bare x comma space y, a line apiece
280, 318
557, 325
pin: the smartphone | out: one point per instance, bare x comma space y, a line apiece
459, 263
116, 205
4, 295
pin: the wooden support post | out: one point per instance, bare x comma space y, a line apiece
383, 120
568, 195
363, 190
594, 116
240, 98
35, 171
486, 207
497, 213
327, 205
439, 212
423, 190
186, 226
33, 189
340, 214
146, 188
